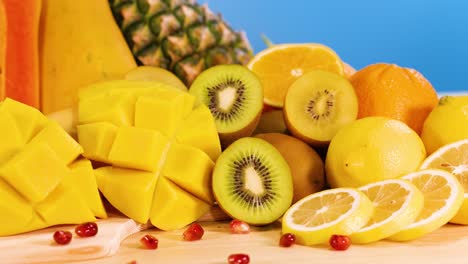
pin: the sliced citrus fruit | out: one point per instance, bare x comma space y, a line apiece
316, 217
396, 202
454, 159
280, 65
443, 196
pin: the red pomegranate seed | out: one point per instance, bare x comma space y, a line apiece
88, 229
193, 232
339, 242
287, 240
132, 262
149, 241
238, 259
239, 227
62, 237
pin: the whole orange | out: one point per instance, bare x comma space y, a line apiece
394, 92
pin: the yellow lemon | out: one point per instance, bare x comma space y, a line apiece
454, 159
316, 217
372, 149
396, 202
447, 123
443, 196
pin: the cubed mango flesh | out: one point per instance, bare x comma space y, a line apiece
37, 187
156, 171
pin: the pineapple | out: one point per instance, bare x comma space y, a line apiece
179, 35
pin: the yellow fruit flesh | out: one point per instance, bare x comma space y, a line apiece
36, 185
99, 51
60, 141
396, 202
155, 74
318, 104
453, 158
443, 197
29, 120
318, 216
146, 147
279, 66
82, 178
152, 152
173, 208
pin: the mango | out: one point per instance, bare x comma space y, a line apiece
157, 170
41, 185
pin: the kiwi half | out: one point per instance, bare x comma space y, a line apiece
234, 96
317, 105
252, 182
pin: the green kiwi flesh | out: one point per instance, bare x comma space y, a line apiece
234, 96
252, 182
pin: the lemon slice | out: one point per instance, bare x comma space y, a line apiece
396, 202
454, 159
443, 196
316, 217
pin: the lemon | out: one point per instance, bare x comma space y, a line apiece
443, 197
396, 202
438, 130
372, 149
316, 217
454, 159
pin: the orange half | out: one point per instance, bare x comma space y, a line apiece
280, 65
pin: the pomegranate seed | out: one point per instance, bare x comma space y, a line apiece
238, 259
149, 241
88, 229
339, 242
62, 237
193, 232
239, 227
287, 240
132, 262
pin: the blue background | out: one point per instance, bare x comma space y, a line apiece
430, 36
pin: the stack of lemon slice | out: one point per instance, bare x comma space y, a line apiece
397, 209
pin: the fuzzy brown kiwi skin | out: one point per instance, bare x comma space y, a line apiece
228, 138
307, 168
296, 133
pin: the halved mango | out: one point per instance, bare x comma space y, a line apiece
37, 188
115, 109
152, 175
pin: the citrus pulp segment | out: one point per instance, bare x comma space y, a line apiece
280, 65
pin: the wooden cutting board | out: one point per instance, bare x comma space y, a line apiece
39, 246
448, 244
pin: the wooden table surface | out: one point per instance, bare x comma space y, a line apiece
446, 245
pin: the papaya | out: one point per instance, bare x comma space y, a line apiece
19, 52
79, 44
